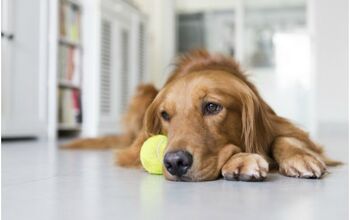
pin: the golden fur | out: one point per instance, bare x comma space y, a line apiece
238, 143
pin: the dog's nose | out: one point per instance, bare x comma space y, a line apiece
178, 162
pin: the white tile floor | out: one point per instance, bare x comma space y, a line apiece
41, 182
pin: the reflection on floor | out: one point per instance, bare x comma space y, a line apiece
41, 182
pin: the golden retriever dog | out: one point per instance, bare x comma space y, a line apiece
217, 125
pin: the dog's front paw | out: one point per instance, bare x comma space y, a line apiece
303, 166
245, 167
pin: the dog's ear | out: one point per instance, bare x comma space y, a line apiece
256, 124
135, 113
152, 124
130, 157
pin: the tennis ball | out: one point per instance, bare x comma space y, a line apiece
152, 153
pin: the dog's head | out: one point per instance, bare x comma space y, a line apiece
208, 110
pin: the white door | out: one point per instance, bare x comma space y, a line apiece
23, 81
115, 70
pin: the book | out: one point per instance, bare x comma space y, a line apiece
70, 111
70, 20
69, 64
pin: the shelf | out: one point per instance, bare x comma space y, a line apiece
70, 43
69, 127
67, 84
69, 63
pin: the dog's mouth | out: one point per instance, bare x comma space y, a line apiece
192, 176
184, 179
182, 166
190, 179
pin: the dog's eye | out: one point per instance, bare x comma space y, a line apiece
211, 108
165, 116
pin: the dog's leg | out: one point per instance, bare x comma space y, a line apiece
296, 159
245, 167
130, 157
101, 143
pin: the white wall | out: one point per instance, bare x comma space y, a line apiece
210, 5
329, 29
329, 34
204, 5
161, 32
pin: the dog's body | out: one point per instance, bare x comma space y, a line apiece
217, 125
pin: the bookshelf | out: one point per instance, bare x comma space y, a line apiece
80, 101
69, 69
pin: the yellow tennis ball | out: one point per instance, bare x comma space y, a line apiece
152, 153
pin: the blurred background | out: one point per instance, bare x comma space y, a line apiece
69, 67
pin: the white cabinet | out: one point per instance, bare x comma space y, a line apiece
121, 62
24, 85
